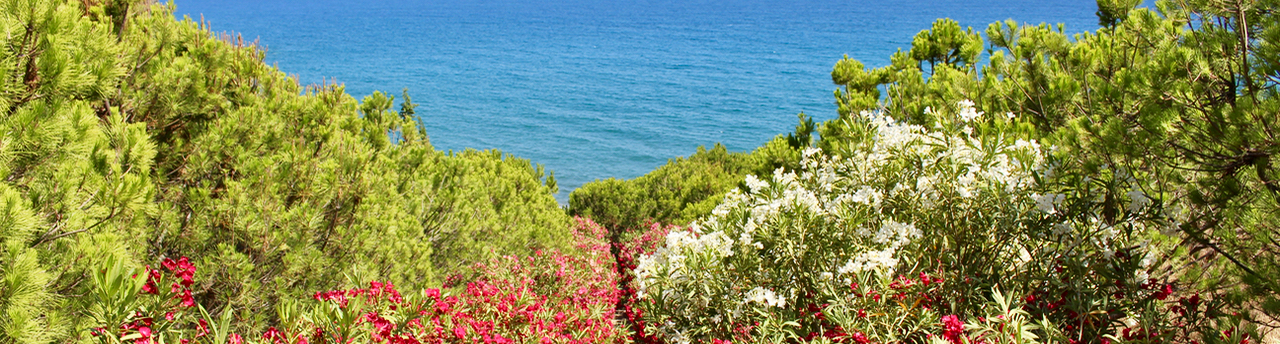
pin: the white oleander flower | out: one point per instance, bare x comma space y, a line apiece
755, 184
967, 112
1046, 203
810, 151
781, 176
1138, 200
867, 195
765, 296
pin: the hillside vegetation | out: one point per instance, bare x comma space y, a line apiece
131, 136
1006, 185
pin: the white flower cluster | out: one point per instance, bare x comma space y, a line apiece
765, 296
1047, 203
968, 167
1138, 200
893, 235
755, 184
967, 112
826, 185
871, 261
672, 256
866, 195
843, 199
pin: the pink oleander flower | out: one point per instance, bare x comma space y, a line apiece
860, 338
952, 328
146, 335
187, 300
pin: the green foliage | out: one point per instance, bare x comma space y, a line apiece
27, 307
861, 83
803, 136
685, 188
116, 293
1111, 12
28, 312
132, 135
946, 43
678, 192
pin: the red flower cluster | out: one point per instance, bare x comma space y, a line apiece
952, 329
629, 253
159, 310
548, 297
142, 326
375, 291
183, 270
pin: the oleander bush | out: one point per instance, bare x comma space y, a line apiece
912, 226
545, 297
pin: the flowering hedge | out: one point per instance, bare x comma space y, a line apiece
908, 231
630, 250
547, 297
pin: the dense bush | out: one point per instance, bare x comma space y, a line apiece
545, 297
913, 224
678, 192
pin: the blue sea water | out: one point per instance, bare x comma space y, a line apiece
601, 88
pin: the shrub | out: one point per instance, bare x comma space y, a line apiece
677, 192
546, 297
903, 235
630, 250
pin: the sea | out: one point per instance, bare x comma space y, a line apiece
594, 89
